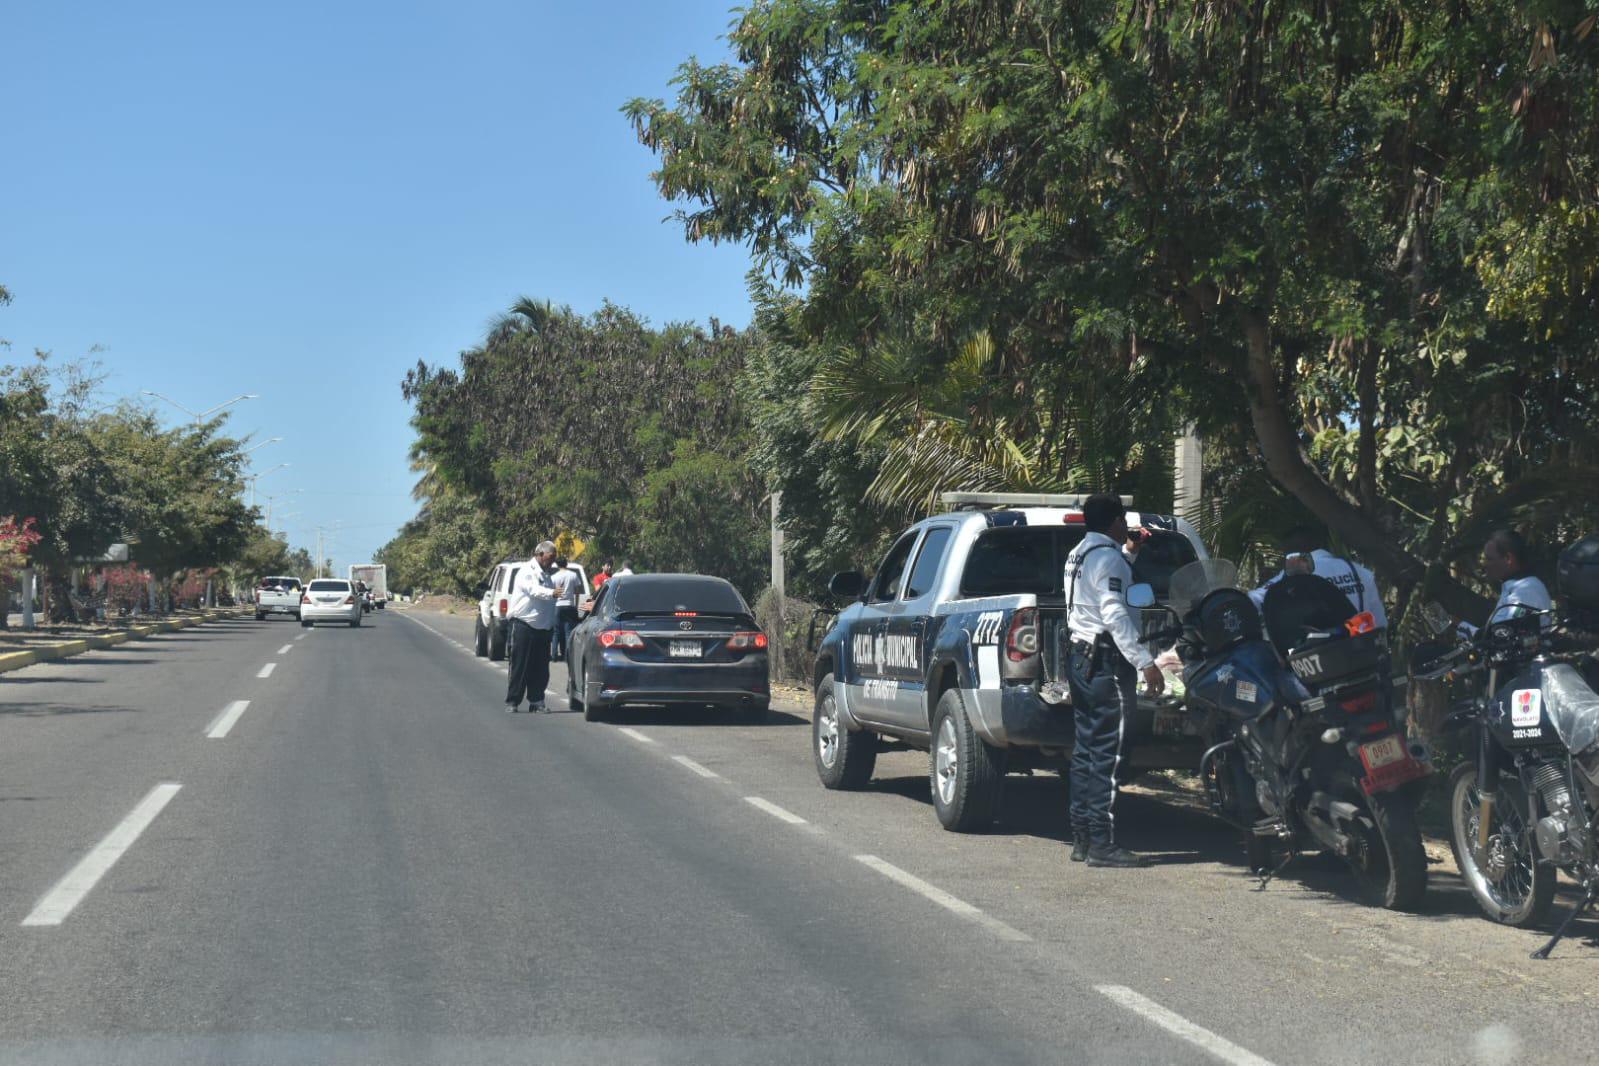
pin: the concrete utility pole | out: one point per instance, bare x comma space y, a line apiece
778, 593
27, 598
1188, 475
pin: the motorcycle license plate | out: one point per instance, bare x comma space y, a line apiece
1389, 764
1380, 753
685, 649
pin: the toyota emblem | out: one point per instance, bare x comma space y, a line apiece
685, 625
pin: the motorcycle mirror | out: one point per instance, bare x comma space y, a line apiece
1435, 618
1141, 595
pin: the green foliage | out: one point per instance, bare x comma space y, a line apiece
632, 438
1351, 241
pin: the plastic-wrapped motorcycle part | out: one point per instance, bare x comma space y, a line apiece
1572, 707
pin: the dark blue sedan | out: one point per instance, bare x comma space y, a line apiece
675, 639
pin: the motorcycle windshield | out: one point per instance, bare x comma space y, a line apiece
1198, 579
1572, 707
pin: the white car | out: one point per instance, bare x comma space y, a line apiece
330, 599
491, 635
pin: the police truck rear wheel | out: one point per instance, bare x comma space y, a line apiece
844, 760
480, 639
496, 643
966, 773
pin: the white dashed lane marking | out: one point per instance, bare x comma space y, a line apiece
81, 879
774, 810
223, 722
1177, 1025
285, 649
635, 734
943, 899
266, 671
684, 760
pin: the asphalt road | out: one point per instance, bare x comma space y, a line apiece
372, 862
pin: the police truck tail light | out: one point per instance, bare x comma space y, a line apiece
747, 641
505, 606
1021, 639
620, 638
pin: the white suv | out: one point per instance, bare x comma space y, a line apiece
493, 606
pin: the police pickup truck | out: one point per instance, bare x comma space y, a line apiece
945, 649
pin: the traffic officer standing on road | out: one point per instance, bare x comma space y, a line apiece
1106, 655
532, 614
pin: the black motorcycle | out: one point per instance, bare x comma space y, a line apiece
1307, 748
1527, 803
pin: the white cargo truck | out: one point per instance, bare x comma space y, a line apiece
375, 577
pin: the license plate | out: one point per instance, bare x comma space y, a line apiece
1380, 753
685, 649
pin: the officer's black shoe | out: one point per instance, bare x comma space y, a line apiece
1113, 856
1079, 849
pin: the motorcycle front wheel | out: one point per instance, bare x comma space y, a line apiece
1387, 857
1509, 883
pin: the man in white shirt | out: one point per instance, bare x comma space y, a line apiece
1303, 554
1506, 559
627, 568
532, 613
1106, 656
568, 586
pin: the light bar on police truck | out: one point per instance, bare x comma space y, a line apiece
957, 501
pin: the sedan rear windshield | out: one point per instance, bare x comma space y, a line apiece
1013, 560
330, 586
671, 593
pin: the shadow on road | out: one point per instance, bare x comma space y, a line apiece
698, 716
53, 710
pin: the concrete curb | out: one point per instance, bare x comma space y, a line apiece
16, 660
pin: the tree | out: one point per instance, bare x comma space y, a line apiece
1356, 233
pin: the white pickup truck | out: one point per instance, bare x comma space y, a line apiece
278, 595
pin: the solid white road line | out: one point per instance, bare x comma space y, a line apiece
285, 649
942, 898
266, 671
696, 767
223, 722
635, 734
1177, 1025
774, 810
81, 879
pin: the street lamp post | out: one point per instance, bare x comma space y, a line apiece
253, 478
200, 416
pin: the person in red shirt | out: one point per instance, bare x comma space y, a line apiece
602, 577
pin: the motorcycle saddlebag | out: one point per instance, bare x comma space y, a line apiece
1326, 662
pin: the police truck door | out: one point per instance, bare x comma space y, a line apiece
871, 686
905, 633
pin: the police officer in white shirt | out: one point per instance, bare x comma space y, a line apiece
1303, 554
1106, 657
532, 614
568, 586
1507, 560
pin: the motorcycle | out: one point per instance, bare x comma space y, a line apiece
1306, 749
1527, 803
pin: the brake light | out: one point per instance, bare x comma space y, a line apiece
1359, 704
1021, 638
685, 614
747, 641
1073, 518
305, 597
1365, 622
505, 605
620, 638
349, 599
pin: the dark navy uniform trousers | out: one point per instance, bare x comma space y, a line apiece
1104, 688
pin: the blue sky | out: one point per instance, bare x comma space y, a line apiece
301, 200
